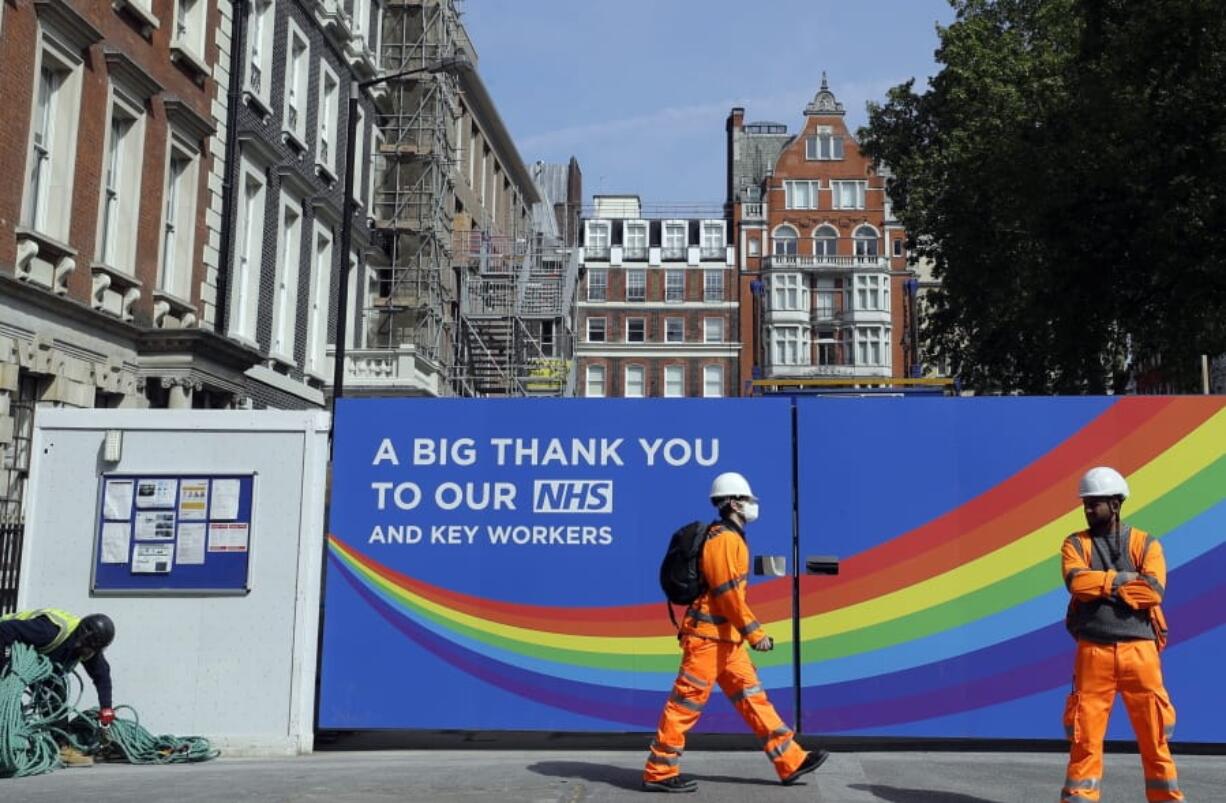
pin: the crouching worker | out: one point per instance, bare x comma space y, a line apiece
66, 640
713, 635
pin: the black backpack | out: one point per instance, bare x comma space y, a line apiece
681, 577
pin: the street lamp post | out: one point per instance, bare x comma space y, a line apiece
449, 64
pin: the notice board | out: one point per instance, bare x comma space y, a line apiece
173, 533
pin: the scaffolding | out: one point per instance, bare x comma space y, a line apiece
489, 310
414, 302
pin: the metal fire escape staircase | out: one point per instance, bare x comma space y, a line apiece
508, 297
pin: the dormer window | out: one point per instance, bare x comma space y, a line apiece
824, 146
598, 240
675, 241
636, 241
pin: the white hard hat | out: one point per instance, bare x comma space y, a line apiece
731, 484
1102, 481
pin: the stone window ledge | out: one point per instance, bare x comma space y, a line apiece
334, 19
243, 340
190, 61
172, 312
292, 139
315, 377
43, 260
361, 58
138, 10
258, 104
114, 291
281, 363
325, 172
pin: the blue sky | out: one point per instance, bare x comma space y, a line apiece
639, 90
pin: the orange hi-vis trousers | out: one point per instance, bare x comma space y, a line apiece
705, 663
1131, 668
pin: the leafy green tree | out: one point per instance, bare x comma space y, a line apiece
1064, 172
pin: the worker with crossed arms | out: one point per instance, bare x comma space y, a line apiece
1116, 576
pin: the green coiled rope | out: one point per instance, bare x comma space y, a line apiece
36, 718
33, 698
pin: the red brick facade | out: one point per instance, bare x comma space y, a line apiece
824, 277
697, 355
117, 32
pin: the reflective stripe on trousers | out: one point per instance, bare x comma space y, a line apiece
1133, 670
1073, 789
705, 662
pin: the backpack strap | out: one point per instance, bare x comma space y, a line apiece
673, 618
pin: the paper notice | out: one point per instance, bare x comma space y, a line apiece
152, 558
155, 525
225, 500
193, 500
156, 493
227, 537
116, 536
117, 500
190, 548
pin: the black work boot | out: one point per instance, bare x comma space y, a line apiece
812, 761
677, 783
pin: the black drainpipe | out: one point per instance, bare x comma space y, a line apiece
229, 190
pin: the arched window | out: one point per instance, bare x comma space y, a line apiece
785, 241
866, 241
825, 241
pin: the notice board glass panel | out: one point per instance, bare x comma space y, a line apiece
173, 533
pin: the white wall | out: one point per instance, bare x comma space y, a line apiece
239, 670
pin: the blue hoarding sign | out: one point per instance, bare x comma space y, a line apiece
493, 564
947, 619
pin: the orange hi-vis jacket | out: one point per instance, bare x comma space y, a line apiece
1086, 584
722, 613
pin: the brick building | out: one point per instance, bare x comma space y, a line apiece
282, 201
656, 305
171, 193
105, 164
824, 279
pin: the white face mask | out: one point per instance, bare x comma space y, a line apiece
749, 510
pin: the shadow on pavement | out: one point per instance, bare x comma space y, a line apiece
623, 778
894, 794
619, 777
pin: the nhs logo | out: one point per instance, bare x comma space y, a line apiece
572, 496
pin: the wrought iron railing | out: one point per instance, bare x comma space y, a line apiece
11, 534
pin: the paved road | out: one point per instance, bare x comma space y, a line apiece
494, 776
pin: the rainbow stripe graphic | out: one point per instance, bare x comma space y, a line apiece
953, 627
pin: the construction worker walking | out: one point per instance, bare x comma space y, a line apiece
713, 635
1116, 576
66, 640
